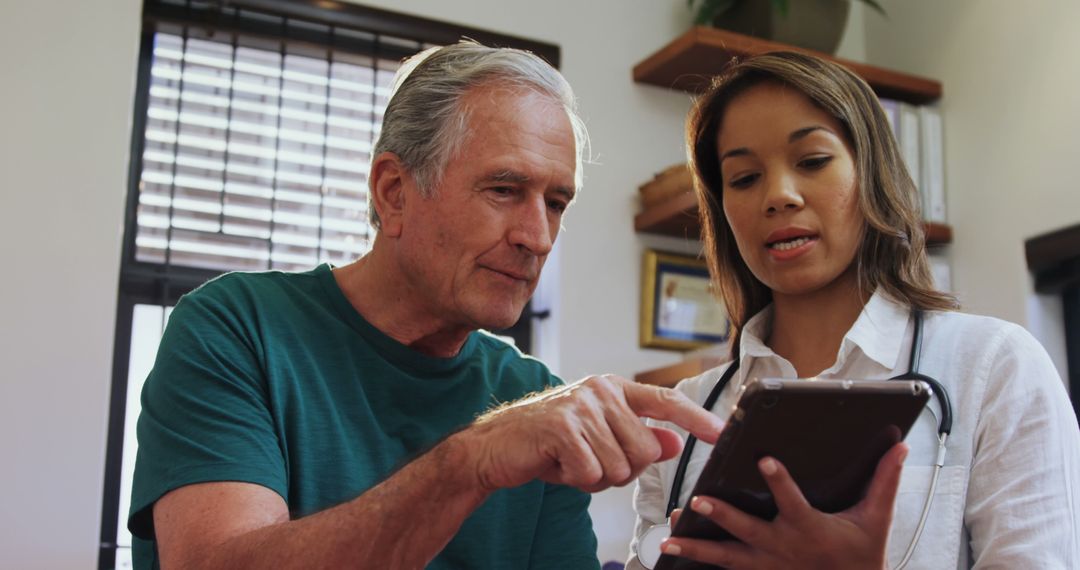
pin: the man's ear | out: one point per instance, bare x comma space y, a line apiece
387, 185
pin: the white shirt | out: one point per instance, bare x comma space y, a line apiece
1009, 493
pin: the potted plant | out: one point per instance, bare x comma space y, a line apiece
812, 24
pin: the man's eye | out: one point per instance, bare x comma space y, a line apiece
557, 205
743, 181
815, 162
502, 190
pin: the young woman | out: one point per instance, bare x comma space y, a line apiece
814, 242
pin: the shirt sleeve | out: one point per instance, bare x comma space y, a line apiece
564, 537
650, 502
1023, 500
205, 408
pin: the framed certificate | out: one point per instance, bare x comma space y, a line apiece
678, 310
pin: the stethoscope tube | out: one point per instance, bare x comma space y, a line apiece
944, 429
945, 424
691, 440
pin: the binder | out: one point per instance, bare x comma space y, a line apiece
910, 146
933, 164
942, 272
892, 114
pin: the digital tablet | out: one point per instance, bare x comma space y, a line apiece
830, 434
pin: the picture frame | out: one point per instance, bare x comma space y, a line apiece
678, 309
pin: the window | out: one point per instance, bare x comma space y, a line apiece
254, 158
254, 125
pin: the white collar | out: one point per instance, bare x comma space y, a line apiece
880, 329
879, 333
752, 342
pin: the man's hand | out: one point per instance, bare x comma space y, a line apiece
587, 435
800, 536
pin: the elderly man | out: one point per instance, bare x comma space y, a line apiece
343, 417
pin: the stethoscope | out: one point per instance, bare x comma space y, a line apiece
649, 545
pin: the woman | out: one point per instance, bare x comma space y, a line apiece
814, 242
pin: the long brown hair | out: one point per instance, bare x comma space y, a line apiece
892, 255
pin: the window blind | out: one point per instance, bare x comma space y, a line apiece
256, 155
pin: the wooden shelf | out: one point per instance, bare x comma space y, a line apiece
678, 217
669, 376
688, 63
937, 234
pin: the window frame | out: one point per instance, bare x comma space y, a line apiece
163, 284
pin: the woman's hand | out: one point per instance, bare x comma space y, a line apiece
800, 536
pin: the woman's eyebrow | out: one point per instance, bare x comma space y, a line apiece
803, 132
794, 136
741, 151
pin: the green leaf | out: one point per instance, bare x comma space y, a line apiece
873, 4
710, 9
725, 5
781, 6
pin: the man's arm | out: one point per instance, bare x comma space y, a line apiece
586, 435
401, 523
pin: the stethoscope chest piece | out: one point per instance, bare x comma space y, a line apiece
649, 545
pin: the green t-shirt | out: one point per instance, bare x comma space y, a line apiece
275, 379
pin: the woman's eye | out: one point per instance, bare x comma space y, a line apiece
743, 181
815, 162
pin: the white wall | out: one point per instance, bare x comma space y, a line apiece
1011, 78
67, 73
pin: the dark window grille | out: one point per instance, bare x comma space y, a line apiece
254, 124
